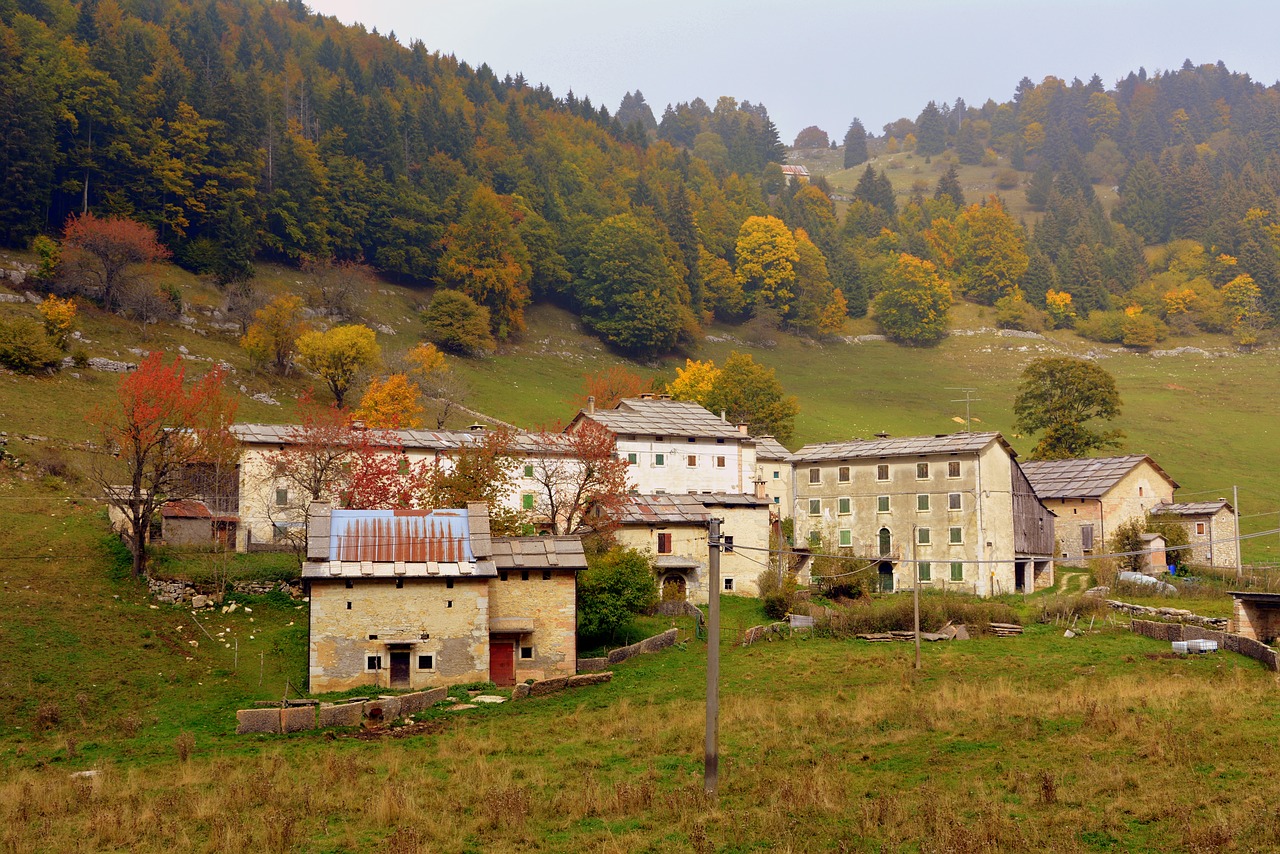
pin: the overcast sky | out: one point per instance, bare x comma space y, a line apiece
825, 61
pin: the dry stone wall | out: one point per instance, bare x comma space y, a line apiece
1225, 640
351, 713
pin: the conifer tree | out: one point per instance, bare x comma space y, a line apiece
855, 144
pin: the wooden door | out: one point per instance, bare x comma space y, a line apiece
502, 663
399, 668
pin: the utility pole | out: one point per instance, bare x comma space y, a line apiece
711, 752
967, 400
1235, 507
915, 592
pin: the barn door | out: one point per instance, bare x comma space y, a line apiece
399, 668
502, 663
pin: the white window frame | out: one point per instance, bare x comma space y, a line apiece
845, 538
922, 467
691, 461
659, 460
954, 502
815, 476
843, 474
882, 472
922, 502
883, 500
954, 564
815, 506
955, 463
844, 506
924, 537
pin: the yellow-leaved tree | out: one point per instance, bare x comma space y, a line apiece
1243, 302
272, 338
914, 305
391, 404
694, 381
59, 320
339, 355
992, 256
767, 256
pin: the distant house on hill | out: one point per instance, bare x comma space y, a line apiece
1092, 497
959, 504
1211, 529
795, 172
413, 598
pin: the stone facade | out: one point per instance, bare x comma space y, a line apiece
535, 610
1256, 616
1211, 530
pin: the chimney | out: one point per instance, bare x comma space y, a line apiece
759, 484
882, 435
477, 428
591, 404
742, 428
318, 529
647, 395
724, 416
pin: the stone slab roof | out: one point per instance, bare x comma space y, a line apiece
1196, 508
659, 417
398, 543
681, 508
430, 440
769, 448
539, 553
1090, 477
907, 446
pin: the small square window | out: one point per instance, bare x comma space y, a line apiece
1200, 529
882, 472
953, 501
633, 458
350, 584
449, 604
953, 468
925, 570
815, 475
526, 501
528, 470
882, 504
348, 606
922, 471
844, 506
502, 576
955, 535
691, 460
777, 499
815, 539
728, 584
923, 536
664, 543
399, 583
546, 575
448, 583
659, 460
373, 637
426, 662
922, 501
842, 474
720, 462
727, 542
815, 506
957, 571
373, 662
526, 652
692, 439
775, 474
524, 575
282, 496
846, 538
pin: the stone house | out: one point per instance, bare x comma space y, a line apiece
673, 528
675, 446
1255, 615
1211, 529
415, 598
1094, 496
774, 469
957, 504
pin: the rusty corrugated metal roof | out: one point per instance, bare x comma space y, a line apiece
400, 535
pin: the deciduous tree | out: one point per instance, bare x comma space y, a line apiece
749, 393
339, 355
391, 404
272, 338
914, 304
616, 586
694, 382
102, 250
1060, 396
455, 323
154, 430
478, 471
485, 258
610, 386
766, 254
581, 481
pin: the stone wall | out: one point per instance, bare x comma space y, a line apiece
653, 644
1180, 614
560, 683
310, 716
547, 605
168, 592
1226, 641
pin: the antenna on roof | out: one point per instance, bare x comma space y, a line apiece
968, 399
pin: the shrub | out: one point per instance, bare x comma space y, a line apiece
24, 346
617, 585
1014, 312
1105, 326
896, 614
1071, 607
184, 744
1007, 179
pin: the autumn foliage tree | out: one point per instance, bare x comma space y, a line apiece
607, 387
155, 430
272, 338
581, 482
914, 305
391, 404
750, 393
767, 258
482, 471
102, 251
485, 258
339, 355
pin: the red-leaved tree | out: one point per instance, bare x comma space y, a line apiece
582, 482
612, 385
151, 437
102, 249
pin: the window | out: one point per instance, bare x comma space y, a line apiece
728, 584
957, 571
815, 475
922, 502
842, 474
846, 538
777, 499
815, 539
720, 462
526, 652
882, 472
664, 543
659, 460
350, 584
815, 506
775, 474
691, 461
886, 541
727, 542
692, 439
953, 468
426, 662
955, 535
1199, 529
449, 604
524, 575
448, 583
925, 570
348, 606
922, 471
1086, 537
528, 470
953, 501
923, 536
399, 583
546, 575
502, 576
282, 496
844, 506
526, 501
633, 458
373, 662
882, 504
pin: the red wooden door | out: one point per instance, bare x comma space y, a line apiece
502, 663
